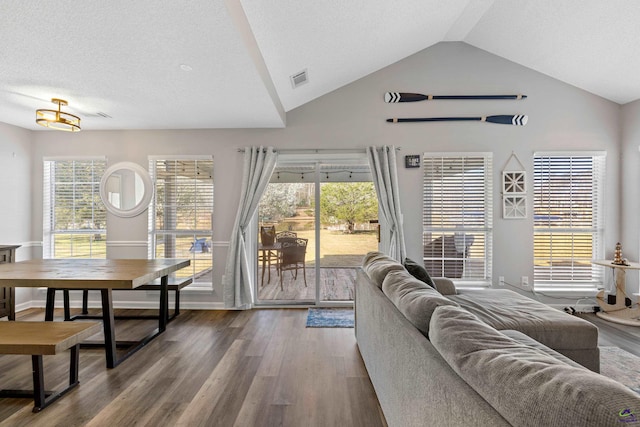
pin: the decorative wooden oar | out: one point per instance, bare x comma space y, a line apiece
394, 97
516, 120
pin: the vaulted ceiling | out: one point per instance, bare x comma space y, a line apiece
170, 64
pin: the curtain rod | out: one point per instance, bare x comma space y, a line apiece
317, 150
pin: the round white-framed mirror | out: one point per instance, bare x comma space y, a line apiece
126, 189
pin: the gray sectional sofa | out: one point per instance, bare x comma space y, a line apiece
437, 357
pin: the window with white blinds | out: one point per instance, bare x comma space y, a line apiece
457, 216
74, 217
568, 218
180, 216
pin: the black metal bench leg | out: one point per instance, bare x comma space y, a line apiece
176, 311
39, 399
74, 364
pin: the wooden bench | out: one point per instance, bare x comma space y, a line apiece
44, 338
175, 284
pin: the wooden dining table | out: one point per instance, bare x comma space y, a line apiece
268, 252
104, 275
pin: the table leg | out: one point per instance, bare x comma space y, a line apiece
67, 308
263, 264
12, 303
163, 315
51, 298
108, 327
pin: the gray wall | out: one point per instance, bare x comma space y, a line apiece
561, 117
15, 199
630, 177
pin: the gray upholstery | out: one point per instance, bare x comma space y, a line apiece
414, 384
527, 386
377, 265
504, 309
444, 285
494, 376
415, 299
528, 341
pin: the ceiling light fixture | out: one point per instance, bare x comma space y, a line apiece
58, 120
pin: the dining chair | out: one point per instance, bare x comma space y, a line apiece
292, 257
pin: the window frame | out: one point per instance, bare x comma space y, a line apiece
49, 231
460, 231
194, 233
543, 276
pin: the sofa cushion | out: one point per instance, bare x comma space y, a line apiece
444, 285
377, 265
413, 298
505, 309
524, 339
418, 271
527, 386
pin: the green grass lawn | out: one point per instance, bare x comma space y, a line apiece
338, 249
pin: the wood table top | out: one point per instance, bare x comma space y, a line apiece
43, 337
609, 263
87, 273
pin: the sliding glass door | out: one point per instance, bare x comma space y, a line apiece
316, 220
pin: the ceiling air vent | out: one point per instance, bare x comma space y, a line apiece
299, 78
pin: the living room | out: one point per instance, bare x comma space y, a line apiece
562, 118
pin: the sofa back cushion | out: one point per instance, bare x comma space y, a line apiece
377, 265
413, 298
527, 386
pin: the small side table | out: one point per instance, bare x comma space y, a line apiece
618, 312
7, 295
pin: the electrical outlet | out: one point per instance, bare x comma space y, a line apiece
501, 280
525, 281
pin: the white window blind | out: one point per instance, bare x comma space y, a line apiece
458, 216
180, 218
568, 218
74, 217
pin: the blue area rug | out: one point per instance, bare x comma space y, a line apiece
330, 318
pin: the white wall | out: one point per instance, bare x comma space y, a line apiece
561, 117
15, 196
630, 192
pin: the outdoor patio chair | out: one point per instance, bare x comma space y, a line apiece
200, 246
292, 257
286, 235
267, 256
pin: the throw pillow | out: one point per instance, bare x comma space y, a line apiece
418, 271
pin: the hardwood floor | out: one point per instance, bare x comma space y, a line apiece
210, 368
615, 334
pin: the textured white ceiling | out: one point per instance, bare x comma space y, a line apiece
123, 58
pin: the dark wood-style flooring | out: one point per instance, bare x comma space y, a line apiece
617, 335
221, 368
210, 368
